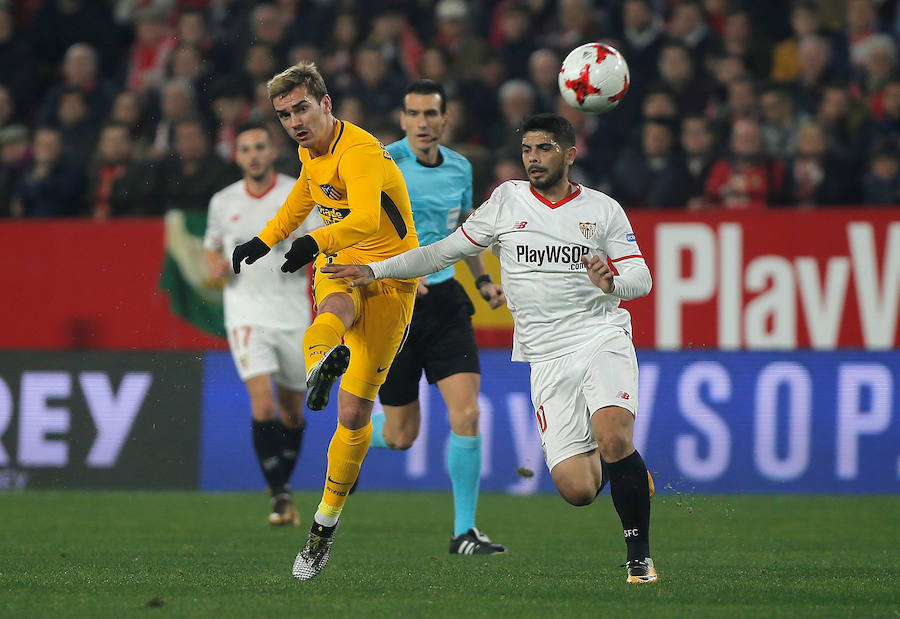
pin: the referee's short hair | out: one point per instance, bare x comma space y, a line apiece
427, 87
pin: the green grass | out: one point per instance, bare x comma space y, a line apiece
106, 554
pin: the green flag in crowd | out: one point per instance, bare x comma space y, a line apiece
184, 275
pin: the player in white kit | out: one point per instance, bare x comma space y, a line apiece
558, 243
266, 312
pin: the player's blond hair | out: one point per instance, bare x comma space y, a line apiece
302, 74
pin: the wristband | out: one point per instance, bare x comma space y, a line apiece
483, 279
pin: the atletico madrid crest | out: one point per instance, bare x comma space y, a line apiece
588, 228
331, 192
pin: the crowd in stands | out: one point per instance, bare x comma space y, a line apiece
130, 107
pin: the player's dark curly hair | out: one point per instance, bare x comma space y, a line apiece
554, 124
427, 87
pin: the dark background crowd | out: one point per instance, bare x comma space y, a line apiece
130, 107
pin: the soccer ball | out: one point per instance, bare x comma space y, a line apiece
593, 78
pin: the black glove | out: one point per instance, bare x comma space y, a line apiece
301, 253
252, 250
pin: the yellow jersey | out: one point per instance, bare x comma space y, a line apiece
360, 194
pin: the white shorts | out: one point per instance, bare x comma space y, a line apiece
266, 350
567, 390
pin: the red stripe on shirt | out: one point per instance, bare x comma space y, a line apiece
470, 238
625, 257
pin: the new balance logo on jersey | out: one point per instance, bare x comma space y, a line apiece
331, 192
560, 254
520, 225
623, 395
235, 217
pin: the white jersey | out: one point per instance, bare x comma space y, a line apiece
555, 306
261, 294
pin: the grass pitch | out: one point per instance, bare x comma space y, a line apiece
111, 554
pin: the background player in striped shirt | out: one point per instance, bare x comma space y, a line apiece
266, 312
441, 340
555, 239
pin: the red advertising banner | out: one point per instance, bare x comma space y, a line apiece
778, 280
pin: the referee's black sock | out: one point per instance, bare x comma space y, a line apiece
267, 440
630, 492
291, 440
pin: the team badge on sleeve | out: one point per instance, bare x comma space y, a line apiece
630, 237
331, 192
588, 228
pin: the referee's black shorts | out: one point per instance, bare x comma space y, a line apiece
441, 342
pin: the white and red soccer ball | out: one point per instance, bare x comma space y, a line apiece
593, 78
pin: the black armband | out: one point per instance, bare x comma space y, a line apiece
483, 279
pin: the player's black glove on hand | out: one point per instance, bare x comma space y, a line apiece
301, 253
252, 250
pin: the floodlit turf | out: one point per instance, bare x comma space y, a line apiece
106, 554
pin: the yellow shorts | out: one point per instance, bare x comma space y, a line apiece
382, 312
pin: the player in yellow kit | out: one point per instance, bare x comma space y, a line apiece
362, 198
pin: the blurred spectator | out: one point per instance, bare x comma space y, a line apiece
688, 27
543, 71
482, 95
187, 63
337, 61
79, 131
805, 20
17, 66
465, 49
115, 152
7, 107
684, 183
14, 159
259, 66
676, 71
435, 66
380, 89
191, 29
747, 179
780, 122
881, 184
815, 55
304, 52
577, 22
879, 64
193, 174
888, 124
644, 34
268, 27
51, 186
637, 170
659, 104
593, 143
843, 121
176, 104
230, 110
516, 102
397, 41
149, 55
79, 70
516, 42
740, 40
128, 109
506, 168
60, 24
816, 176
850, 45
352, 109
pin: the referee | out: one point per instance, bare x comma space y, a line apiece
441, 340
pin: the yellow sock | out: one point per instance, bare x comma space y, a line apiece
322, 335
345, 455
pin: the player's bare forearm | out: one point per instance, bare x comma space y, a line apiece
217, 266
358, 274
